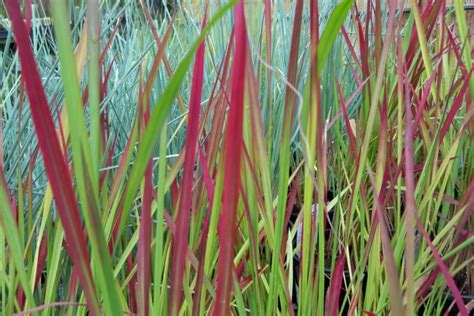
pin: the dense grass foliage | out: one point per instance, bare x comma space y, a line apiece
263, 158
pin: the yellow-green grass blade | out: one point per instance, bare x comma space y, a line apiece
83, 165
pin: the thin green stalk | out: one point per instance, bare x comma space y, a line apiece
88, 193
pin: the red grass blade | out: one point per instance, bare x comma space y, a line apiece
232, 180
409, 194
28, 16
144, 246
158, 41
457, 103
109, 41
56, 167
351, 47
131, 286
144, 241
334, 291
206, 175
180, 240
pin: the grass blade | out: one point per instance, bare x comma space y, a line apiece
232, 177
55, 165
85, 171
180, 240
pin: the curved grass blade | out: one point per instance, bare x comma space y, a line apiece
55, 165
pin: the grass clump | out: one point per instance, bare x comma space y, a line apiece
317, 159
